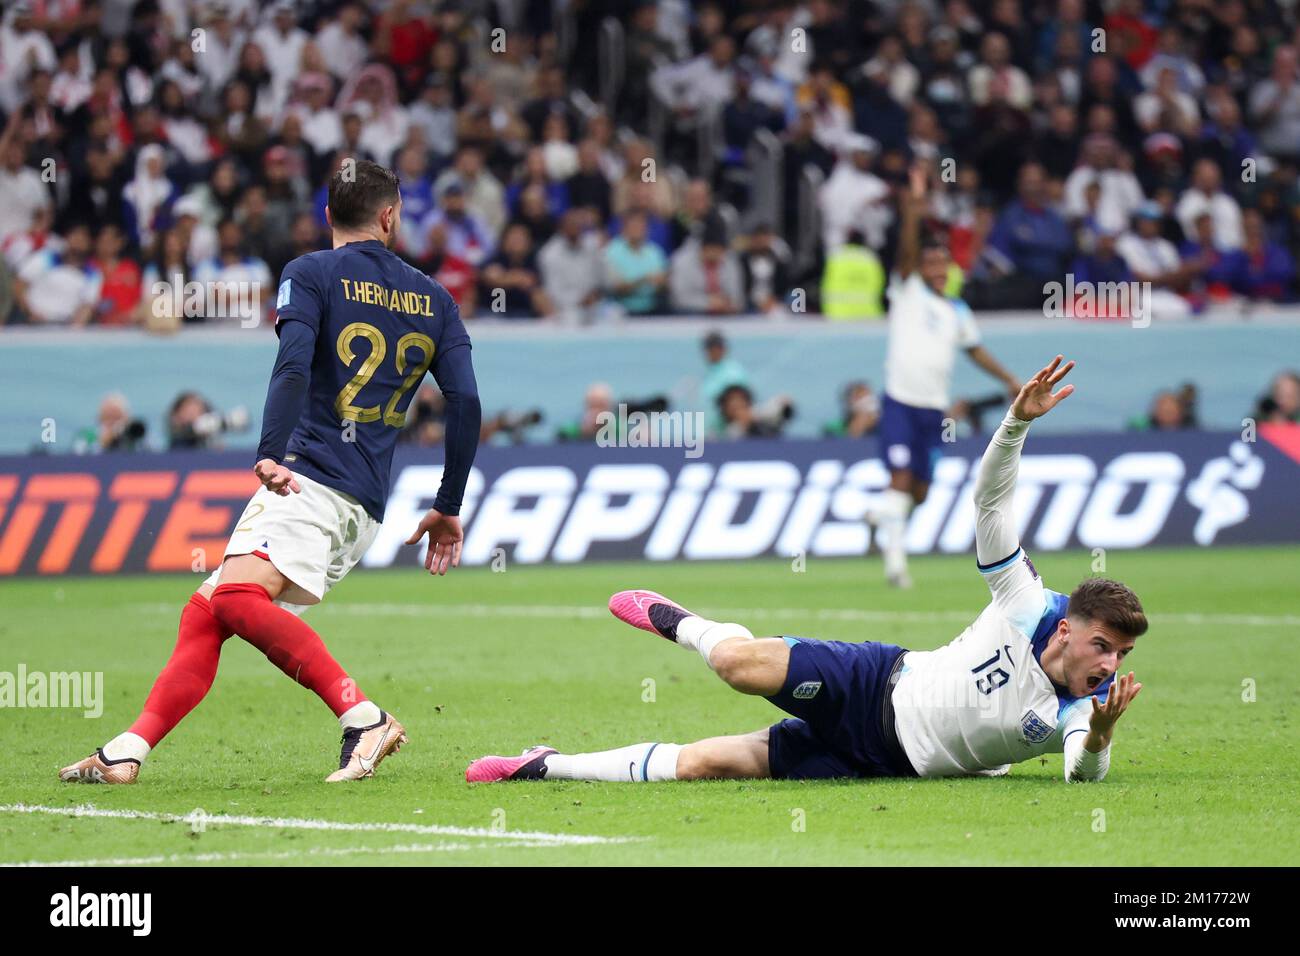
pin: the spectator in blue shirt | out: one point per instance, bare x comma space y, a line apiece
1103, 265
1029, 233
1265, 271
1030, 244
636, 269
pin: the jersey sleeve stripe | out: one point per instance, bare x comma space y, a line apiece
999, 565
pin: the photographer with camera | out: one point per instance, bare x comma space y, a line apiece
115, 429
860, 414
741, 418
192, 423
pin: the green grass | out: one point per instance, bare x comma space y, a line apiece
1198, 776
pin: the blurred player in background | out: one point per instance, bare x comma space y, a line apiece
926, 328
1034, 674
358, 329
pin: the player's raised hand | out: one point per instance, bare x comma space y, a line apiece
1036, 398
445, 539
918, 178
275, 477
1122, 693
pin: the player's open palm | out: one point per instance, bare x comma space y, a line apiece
445, 539
1036, 397
1122, 693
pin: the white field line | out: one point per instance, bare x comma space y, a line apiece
254, 855
863, 615
514, 837
277, 855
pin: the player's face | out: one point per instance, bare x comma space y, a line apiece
1093, 653
934, 269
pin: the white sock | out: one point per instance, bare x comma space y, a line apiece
127, 746
640, 763
701, 634
893, 510
364, 714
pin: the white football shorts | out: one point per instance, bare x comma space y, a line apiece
314, 538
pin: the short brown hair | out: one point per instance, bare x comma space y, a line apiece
1111, 604
357, 192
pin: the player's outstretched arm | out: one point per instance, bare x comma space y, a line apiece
995, 527
909, 228
1087, 757
986, 360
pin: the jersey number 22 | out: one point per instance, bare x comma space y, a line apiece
378, 347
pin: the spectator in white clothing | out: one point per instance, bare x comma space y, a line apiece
1275, 106
995, 79
571, 264
1206, 195
23, 49
698, 85
854, 197
223, 43
1167, 108
1152, 258
283, 41
341, 44
898, 75
21, 191
60, 288
322, 127
1121, 193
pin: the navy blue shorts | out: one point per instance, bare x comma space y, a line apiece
838, 694
910, 437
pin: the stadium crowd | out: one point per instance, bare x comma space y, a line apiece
188, 143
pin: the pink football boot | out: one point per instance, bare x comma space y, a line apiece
529, 765
649, 611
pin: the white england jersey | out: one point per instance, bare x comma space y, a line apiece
983, 702
925, 332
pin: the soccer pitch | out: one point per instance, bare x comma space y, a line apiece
1204, 770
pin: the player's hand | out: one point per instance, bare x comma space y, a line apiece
1122, 693
917, 197
445, 539
275, 477
1036, 398
918, 177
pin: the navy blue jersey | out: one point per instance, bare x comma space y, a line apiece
359, 328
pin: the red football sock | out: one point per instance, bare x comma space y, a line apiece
188, 674
288, 642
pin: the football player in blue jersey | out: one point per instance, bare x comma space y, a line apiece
358, 330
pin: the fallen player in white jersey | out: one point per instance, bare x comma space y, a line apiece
1034, 674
